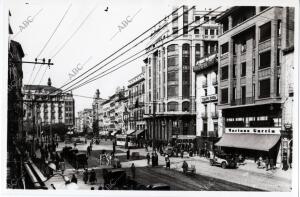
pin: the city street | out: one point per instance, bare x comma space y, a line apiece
211, 178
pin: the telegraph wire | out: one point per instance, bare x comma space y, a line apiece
121, 48
77, 29
100, 75
125, 52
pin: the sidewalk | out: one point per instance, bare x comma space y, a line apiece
248, 174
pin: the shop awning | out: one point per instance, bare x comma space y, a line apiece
263, 142
129, 132
138, 132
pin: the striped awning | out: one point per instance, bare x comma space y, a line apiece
263, 142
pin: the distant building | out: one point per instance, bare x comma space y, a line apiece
113, 109
253, 83
45, 105
97, 109
86, 120
170, 109
136, 88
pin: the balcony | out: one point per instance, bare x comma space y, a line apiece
215, 81
242, 101
214, 115
264, 45
204, 115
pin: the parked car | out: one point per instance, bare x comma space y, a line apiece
159, 186
223, 160
169, 150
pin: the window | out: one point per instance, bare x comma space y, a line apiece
253, 91
243, 46
278, 86
196, 31
197, 18
213, 18
206, 31
211, 32
149, 83
185, 106
253, 66
243, 94
224, 48
265, 60
279, 28
197, 52
172, 106
149, 96
175, 30
224, 96
234, 71
172, 76
149, 71
243, 69
206, 18
278, 57
233, 93
205, 92
265, 32
172, 91
264, 88
185, 29
225, 25
224, 72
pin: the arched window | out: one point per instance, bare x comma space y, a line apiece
173, 106
172, 69
186, 106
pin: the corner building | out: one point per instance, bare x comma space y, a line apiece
250, 80
170, 109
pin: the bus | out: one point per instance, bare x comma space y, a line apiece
127, 141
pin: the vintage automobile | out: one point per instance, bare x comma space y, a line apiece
169, 150
80, 160
223, 160
158, 186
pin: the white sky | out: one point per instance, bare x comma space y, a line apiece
92, 40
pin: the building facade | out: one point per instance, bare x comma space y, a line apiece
136, 101
208, 121
14, 91
86, 120
44, 105
170, 109
97, 109
250, 79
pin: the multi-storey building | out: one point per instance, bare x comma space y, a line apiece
251, 81
208, 123
46, 106
113, 112
136, 88
86, 120
14, 93
97, 109
169, 78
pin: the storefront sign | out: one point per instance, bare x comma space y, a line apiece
209, 98
255, 130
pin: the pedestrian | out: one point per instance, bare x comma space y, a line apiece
56, 144
74, 179
267, 163
128, 154
181, 153
284, 162
184, 167
152, 159
85, 176
75, 144
168, 163
88, 150
132, 170
93, 178
148, 158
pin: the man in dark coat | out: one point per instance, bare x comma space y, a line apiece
85, 176
132, 170
148, 158
93, 178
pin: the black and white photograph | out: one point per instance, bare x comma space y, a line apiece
149, 95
